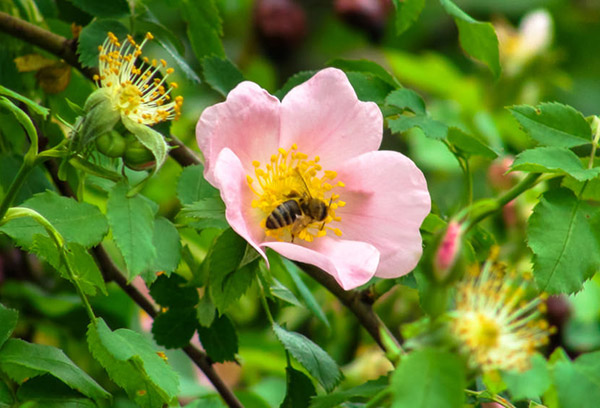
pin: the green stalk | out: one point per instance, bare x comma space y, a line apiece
492, 206
596, 124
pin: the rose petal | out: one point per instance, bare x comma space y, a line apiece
247, 123
386, 201
351, 263
324, 117
230, 177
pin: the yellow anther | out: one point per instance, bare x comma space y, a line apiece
149, 36
170, 71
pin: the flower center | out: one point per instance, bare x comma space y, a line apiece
296, 196
481, 331
129, 97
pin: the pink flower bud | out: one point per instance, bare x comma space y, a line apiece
281, 26
497, 176
367, 15
447, 251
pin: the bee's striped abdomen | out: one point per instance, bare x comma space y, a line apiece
285, 214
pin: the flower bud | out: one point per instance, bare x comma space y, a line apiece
367, 15
137, 156
111, 144
447, 252
281, 26
497, 176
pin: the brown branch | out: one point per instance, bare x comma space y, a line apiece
53, 43
359, 303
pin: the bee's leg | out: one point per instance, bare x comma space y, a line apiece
328, 205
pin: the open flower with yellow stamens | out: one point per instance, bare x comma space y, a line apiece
136, 92
135, 95
303, 176
497, 324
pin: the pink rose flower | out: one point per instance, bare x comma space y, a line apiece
350, 210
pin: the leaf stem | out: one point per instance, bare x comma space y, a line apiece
377, 400
492, 206
263, 301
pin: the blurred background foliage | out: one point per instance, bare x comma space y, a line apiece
271, 41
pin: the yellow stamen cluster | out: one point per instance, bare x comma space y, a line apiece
498, 328
291, 175
136, 91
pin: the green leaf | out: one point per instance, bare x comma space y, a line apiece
220, 340
175, 327
278, 290
300, 389
82, 263
39, 109
312, 357
553, 160
226, 282
168, 244
48, 392
9, 318
430, 127
105, 8
366, 67
293, 81
65, 214
21, 360
206, 310
172, 292
478, 39
132, 222
429, 378
221, 74
361, 392
590, 192
94, 35
407, 13
578, 383
469, 145
369, 87
210, 212
530, 384
563, 235
192, 186
132, 363
406, 99
553, 124
305, 293
204, 27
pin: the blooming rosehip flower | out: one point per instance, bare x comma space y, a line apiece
496, 324
303, 176
135, 95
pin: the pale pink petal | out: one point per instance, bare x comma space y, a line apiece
351, 263
324, 117
247, 123
230, 178
387, 200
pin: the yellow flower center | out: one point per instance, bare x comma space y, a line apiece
481, 331
296, 196
129, 97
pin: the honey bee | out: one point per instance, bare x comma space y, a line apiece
299, 211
